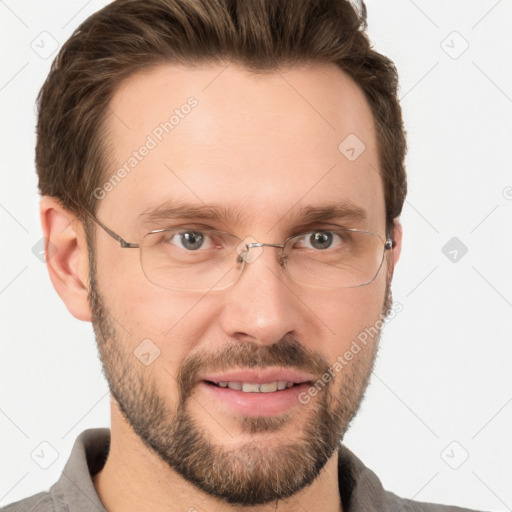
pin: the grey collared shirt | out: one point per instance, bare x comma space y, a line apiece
360, 489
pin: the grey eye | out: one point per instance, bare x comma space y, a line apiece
321, 239
190, 240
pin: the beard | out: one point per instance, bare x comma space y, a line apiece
252, 473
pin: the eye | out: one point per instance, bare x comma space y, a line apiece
319, 240
190, 240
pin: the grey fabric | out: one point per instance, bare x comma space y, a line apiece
360, 489
74, 491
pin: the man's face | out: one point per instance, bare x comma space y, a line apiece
265, 147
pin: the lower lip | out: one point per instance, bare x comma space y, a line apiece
257, 404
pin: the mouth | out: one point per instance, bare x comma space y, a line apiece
256, 392
255, 387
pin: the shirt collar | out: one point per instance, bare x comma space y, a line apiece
75, 491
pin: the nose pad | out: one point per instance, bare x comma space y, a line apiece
249, 250
244, 251
283, 259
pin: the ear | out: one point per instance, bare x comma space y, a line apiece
397, 249
66, 256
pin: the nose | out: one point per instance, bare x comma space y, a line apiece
262, 306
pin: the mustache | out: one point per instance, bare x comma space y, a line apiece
287, 352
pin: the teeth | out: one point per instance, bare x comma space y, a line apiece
268, 387
250, 387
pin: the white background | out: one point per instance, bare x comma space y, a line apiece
441, 390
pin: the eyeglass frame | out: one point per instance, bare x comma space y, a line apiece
389, 244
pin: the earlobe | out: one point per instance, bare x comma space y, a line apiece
66, 256
397, 237
394, 255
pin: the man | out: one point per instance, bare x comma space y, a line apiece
221, 184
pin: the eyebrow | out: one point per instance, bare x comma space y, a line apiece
177, 210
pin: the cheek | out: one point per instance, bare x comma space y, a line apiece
155, 329
140, 310
346, 315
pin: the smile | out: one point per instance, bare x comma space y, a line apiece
252, 387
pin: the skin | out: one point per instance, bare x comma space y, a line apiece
264, 148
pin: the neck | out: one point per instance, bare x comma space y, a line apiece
134, 478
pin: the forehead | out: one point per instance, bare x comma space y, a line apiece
264, 145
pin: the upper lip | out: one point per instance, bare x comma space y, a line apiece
259, 375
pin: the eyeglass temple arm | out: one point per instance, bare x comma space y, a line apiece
122, 242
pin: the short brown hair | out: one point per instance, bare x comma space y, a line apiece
131, 35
